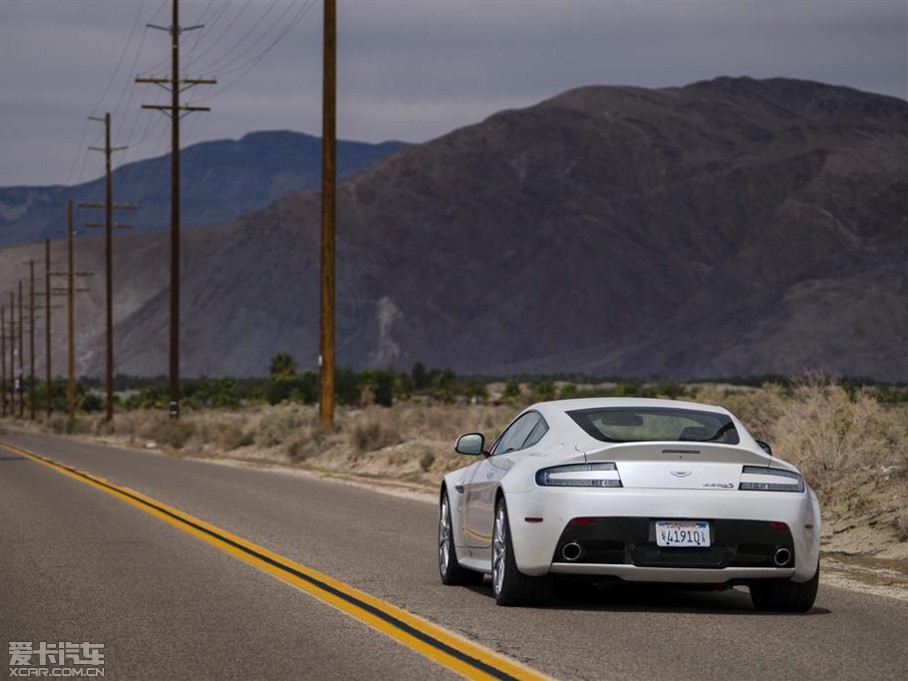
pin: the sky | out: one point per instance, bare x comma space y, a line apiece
407, 69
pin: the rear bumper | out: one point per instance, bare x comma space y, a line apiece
536, 543
633, 573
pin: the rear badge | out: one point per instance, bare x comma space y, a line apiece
681, 474
720, 485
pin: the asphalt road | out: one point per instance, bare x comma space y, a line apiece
78, 564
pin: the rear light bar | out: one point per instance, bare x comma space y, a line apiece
765, 479
580, 475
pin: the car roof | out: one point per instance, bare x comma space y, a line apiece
554, 407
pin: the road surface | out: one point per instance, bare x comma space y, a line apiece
250, 593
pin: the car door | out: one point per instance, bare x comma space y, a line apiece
479, 489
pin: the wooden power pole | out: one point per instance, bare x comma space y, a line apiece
21, 375
2, 361
31, 340
176, 85
12, 353
329, 176
48, 307
70, 292
109, 206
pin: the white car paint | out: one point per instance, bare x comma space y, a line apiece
707, 490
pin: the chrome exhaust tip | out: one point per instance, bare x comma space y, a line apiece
571, 551
781, 557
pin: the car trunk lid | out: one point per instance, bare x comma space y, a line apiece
678, 465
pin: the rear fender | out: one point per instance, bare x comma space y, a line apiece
455, 499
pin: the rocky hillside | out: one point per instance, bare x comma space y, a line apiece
221, 181
729, 227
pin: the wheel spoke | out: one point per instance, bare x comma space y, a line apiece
444, 537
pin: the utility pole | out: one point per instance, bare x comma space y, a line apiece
49, 291
108, 226
12, 353
48, 371
329, 115
2, 361
70, 291
31, 340
175, 85
21, 375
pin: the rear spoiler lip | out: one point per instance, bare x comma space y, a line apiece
667, 450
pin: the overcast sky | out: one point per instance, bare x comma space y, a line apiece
408, 69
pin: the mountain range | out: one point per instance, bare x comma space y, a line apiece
220, 181
726, 228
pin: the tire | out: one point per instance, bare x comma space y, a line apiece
509, 585
450, 570
783, 595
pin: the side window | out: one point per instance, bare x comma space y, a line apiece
539, 430
513, 438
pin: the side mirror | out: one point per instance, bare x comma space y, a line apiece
471, 444
765, 447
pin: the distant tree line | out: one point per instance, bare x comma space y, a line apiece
286, 383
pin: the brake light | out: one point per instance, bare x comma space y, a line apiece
580, 475
765, 479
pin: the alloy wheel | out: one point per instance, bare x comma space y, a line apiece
499, 549
444, 536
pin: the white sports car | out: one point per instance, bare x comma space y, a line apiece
632, 489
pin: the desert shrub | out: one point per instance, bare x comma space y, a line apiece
226, 394
380, 383
543, 390
426, 461
57, 424
346, 386
568, 391
372, 433
901, 526
419, 376
276, 426
825, 431
230, 436
90, 402
147, 398
173, 433
670, 390
758, 410
512, 393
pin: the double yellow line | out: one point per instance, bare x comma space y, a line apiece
448, 649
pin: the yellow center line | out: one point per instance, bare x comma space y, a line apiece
451, 650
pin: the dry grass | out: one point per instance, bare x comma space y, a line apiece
901, 526
819, 427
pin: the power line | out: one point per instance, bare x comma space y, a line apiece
116, 70
226, 30
216, 64
252, 63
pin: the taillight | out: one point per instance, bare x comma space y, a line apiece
580, 475
765, 479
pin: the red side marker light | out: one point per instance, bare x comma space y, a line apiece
778, 526
533, 520
581, 521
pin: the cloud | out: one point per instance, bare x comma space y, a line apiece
407, 70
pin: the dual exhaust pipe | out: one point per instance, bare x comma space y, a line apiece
572, 552
781, 557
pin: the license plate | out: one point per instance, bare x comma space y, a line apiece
682, 533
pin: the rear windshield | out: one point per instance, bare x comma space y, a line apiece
649, 424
